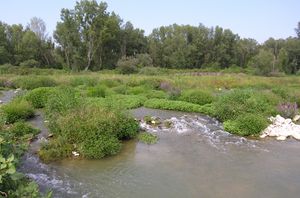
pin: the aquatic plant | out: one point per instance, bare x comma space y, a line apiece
17, 110
148, 138
39, 96
197, 96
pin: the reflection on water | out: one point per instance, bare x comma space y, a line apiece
205, 161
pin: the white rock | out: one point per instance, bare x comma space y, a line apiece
296, 118
74, 153
1, 102
281, 128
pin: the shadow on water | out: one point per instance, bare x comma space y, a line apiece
202, 161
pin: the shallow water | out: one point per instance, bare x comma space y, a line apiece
201, 161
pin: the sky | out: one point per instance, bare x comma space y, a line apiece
258, 19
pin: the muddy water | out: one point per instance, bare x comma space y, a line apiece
202, 161
195, 158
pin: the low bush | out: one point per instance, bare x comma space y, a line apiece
21, 128
148, 138
137, 90
98, 91
246, 125
127, 65
17, 110
122, 89
156, 94
230, 105
62, 100
32, 82
30, 63
96, 131
288, 109
110, 82
39, 96
151, 71
55, 149
197, 96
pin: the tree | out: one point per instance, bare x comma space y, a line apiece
38, 26
4, 53
298, 30
263, 62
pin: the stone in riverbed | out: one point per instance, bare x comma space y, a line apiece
282, 128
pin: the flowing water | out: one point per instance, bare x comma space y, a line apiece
195, 158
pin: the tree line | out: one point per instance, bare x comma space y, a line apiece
88, 37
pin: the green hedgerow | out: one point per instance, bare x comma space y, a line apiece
17, 110
246, 124
197, 96
148, 138
39, 96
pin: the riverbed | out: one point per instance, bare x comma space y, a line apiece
201, 161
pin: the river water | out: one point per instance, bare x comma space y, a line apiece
195, 158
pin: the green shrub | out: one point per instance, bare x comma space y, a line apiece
148, 138
281, 92
30, 63
137, 90
61, 100
83, 80
156, 94
32, 82
197, 96
127, 65
55, 149
17, 110
96, 130
39, 96
21, 128
246, 124
102, 146
230, 105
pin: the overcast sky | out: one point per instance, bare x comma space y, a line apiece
258, 19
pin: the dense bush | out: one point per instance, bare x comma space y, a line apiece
39, 96
197, 96
230, 105
32, 82
17, 110
61, 100
30, 63
96, 130
127, 65
246, 124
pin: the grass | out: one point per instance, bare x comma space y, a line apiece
82, 107
148, 138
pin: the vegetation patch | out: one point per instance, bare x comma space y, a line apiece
148, 138
39, 96
32, 82
197, 96
17, 110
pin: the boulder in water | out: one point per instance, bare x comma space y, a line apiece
281, 128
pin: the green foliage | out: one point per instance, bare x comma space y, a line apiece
97, 91
61, 100
32, 82
17, 110
118, 101
197, 96
127, 65
148, 138
246, 124
39, 96
96, 131
22, 128
230, 105
56, 149
173, 105
30, 63
151, 71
